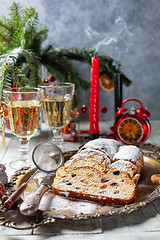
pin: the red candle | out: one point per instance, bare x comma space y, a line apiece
94, 99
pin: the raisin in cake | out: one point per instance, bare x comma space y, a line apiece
126, 166
115, 175
102, 170
86, 183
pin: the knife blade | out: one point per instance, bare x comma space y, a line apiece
32, 201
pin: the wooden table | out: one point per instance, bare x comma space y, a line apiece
142, 224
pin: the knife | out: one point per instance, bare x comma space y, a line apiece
32, 201
17, 193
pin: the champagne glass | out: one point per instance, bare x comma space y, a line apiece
56, 106
24, 106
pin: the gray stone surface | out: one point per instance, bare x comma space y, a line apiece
131, 32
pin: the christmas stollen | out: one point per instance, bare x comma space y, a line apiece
100, 172
87, 183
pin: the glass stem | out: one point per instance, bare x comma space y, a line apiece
57, 136
24, 149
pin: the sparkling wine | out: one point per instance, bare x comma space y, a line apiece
24, 117
56, 112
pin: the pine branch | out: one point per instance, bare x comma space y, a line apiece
4, 25
4, 38
15, 11
76, 54
56, 64
11, 74
107, 64
21, 38
28, 13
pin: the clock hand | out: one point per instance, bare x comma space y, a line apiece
132, 134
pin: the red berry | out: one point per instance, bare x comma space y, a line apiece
83, 109
51, 78
103, 109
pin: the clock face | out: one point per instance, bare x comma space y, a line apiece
130, 130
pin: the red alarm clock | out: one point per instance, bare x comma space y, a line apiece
132, 127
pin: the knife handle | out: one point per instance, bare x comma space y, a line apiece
15, 196
31, 203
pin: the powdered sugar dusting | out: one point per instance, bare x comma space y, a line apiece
90, 154
48, 161
126, 166
110, 146
82, 182
59, 204
128, 152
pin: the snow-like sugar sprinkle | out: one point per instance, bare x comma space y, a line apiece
47, 162
60, 203
128, 152
110, 146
